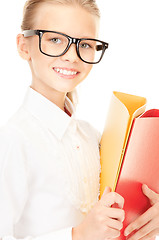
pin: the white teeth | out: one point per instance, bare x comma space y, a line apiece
65, 72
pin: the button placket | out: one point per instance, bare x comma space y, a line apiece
73, 130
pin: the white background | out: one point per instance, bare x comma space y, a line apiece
131, 64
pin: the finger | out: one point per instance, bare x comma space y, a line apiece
116, 213
115, 224
111, 198
139, 222
150, 235
106, 190
142, 232
153, 196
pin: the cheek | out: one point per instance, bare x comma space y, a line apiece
40, 67
87, 69
39, 61
37, 58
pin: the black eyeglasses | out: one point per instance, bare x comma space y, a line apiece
56, 44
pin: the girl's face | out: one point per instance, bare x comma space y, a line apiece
73, 21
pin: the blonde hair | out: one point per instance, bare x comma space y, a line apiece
28, 21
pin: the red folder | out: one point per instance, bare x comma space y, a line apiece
130, 153
140, 165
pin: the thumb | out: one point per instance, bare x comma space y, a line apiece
108, 200
153, 196
106, 190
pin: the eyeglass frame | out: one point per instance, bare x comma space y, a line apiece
71, 40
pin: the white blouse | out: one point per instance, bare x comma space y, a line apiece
49, 171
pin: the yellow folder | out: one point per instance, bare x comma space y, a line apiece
123, 109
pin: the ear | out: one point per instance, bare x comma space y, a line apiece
22, 46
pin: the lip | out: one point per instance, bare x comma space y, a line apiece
67, 69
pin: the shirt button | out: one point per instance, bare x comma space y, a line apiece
85, 180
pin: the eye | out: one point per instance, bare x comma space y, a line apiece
85, 45
55, 40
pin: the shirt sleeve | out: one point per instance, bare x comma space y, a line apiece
13, 184
63, 234
14, 188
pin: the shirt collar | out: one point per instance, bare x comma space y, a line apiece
49, 113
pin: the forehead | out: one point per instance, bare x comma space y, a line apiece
71, 20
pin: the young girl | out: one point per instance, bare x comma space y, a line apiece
49, 160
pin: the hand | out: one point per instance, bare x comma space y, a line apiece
103, 221
147, 225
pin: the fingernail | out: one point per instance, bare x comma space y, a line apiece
126, 233
107, 190
145, 186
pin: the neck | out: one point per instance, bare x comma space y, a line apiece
51, 94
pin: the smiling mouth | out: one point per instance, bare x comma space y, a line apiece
66, 72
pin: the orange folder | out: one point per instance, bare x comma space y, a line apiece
123, 109
133, 153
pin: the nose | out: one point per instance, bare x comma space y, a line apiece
71, 54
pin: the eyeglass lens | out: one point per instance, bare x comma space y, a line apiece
55, 44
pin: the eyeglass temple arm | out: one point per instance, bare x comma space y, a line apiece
100, 47
29, 33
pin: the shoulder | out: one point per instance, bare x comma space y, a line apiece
12, 142
21, 128
9, 135
10, 132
